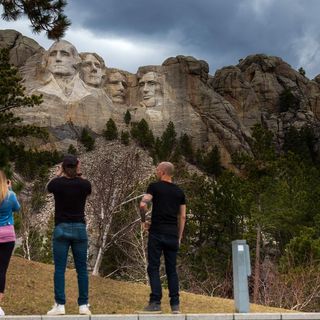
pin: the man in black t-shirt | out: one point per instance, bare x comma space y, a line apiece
70, 192
165, 233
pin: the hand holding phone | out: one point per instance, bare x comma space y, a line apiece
59, 171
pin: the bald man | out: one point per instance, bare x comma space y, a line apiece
168, 218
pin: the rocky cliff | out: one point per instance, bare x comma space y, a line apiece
79, 90
255, 85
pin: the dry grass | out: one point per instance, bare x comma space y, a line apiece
30, 291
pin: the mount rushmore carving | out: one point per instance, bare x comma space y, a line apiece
79, 89
82, 90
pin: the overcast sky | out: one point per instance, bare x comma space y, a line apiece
133, 33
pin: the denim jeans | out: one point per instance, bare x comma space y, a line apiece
72, 235
169, 245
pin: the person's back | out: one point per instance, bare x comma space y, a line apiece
70, 196
166, 200
70, 193
167, 224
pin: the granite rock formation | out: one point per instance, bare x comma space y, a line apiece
21, 47
79, 90
254, 86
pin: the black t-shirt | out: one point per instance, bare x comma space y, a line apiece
166, 200
70, 198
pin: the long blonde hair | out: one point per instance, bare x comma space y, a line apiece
3, 186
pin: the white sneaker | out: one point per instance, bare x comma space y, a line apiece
1, 312
57, 310
84, 309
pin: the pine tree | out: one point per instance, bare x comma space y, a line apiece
211, 162
287, 100
125, 138
199, 157
127, 117
302, 71
4, 156
33, 163
301, 142
11, 90
168, 142
12, 96
186, 147
142, 134
111, 132
72, 149
156, 151
262, 144
86, 139
44, 15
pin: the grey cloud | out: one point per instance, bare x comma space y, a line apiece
221, 31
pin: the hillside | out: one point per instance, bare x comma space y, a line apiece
30, 291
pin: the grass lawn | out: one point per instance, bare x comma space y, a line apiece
30, 291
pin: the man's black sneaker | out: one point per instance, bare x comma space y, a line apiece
175, 309
152, 308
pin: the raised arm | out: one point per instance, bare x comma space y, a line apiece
15, 203
59, 173
144, 203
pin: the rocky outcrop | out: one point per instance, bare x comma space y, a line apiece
79, 90
254, 87
21, 47
194, 107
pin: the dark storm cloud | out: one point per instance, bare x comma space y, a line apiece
219, 31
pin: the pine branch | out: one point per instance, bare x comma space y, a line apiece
44, 15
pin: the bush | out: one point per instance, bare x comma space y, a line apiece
127, 117
142, 134
111, 132
125, 138
72, 150
186, 147
87, 140
287, 100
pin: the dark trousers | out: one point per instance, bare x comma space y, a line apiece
169, 245
6, 250
72, 235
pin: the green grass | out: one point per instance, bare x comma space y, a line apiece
30, 291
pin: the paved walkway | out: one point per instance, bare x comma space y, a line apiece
213, 316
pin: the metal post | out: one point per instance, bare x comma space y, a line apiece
241, 271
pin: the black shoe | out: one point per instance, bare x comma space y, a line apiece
175, 309
152, 307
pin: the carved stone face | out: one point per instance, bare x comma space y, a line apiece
62, 59
150, 89
117, 87
92, 71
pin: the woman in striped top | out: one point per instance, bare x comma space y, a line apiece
8, 204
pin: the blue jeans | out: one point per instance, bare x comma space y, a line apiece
169, 245
72, 235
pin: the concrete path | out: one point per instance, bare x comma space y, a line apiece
213, 316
